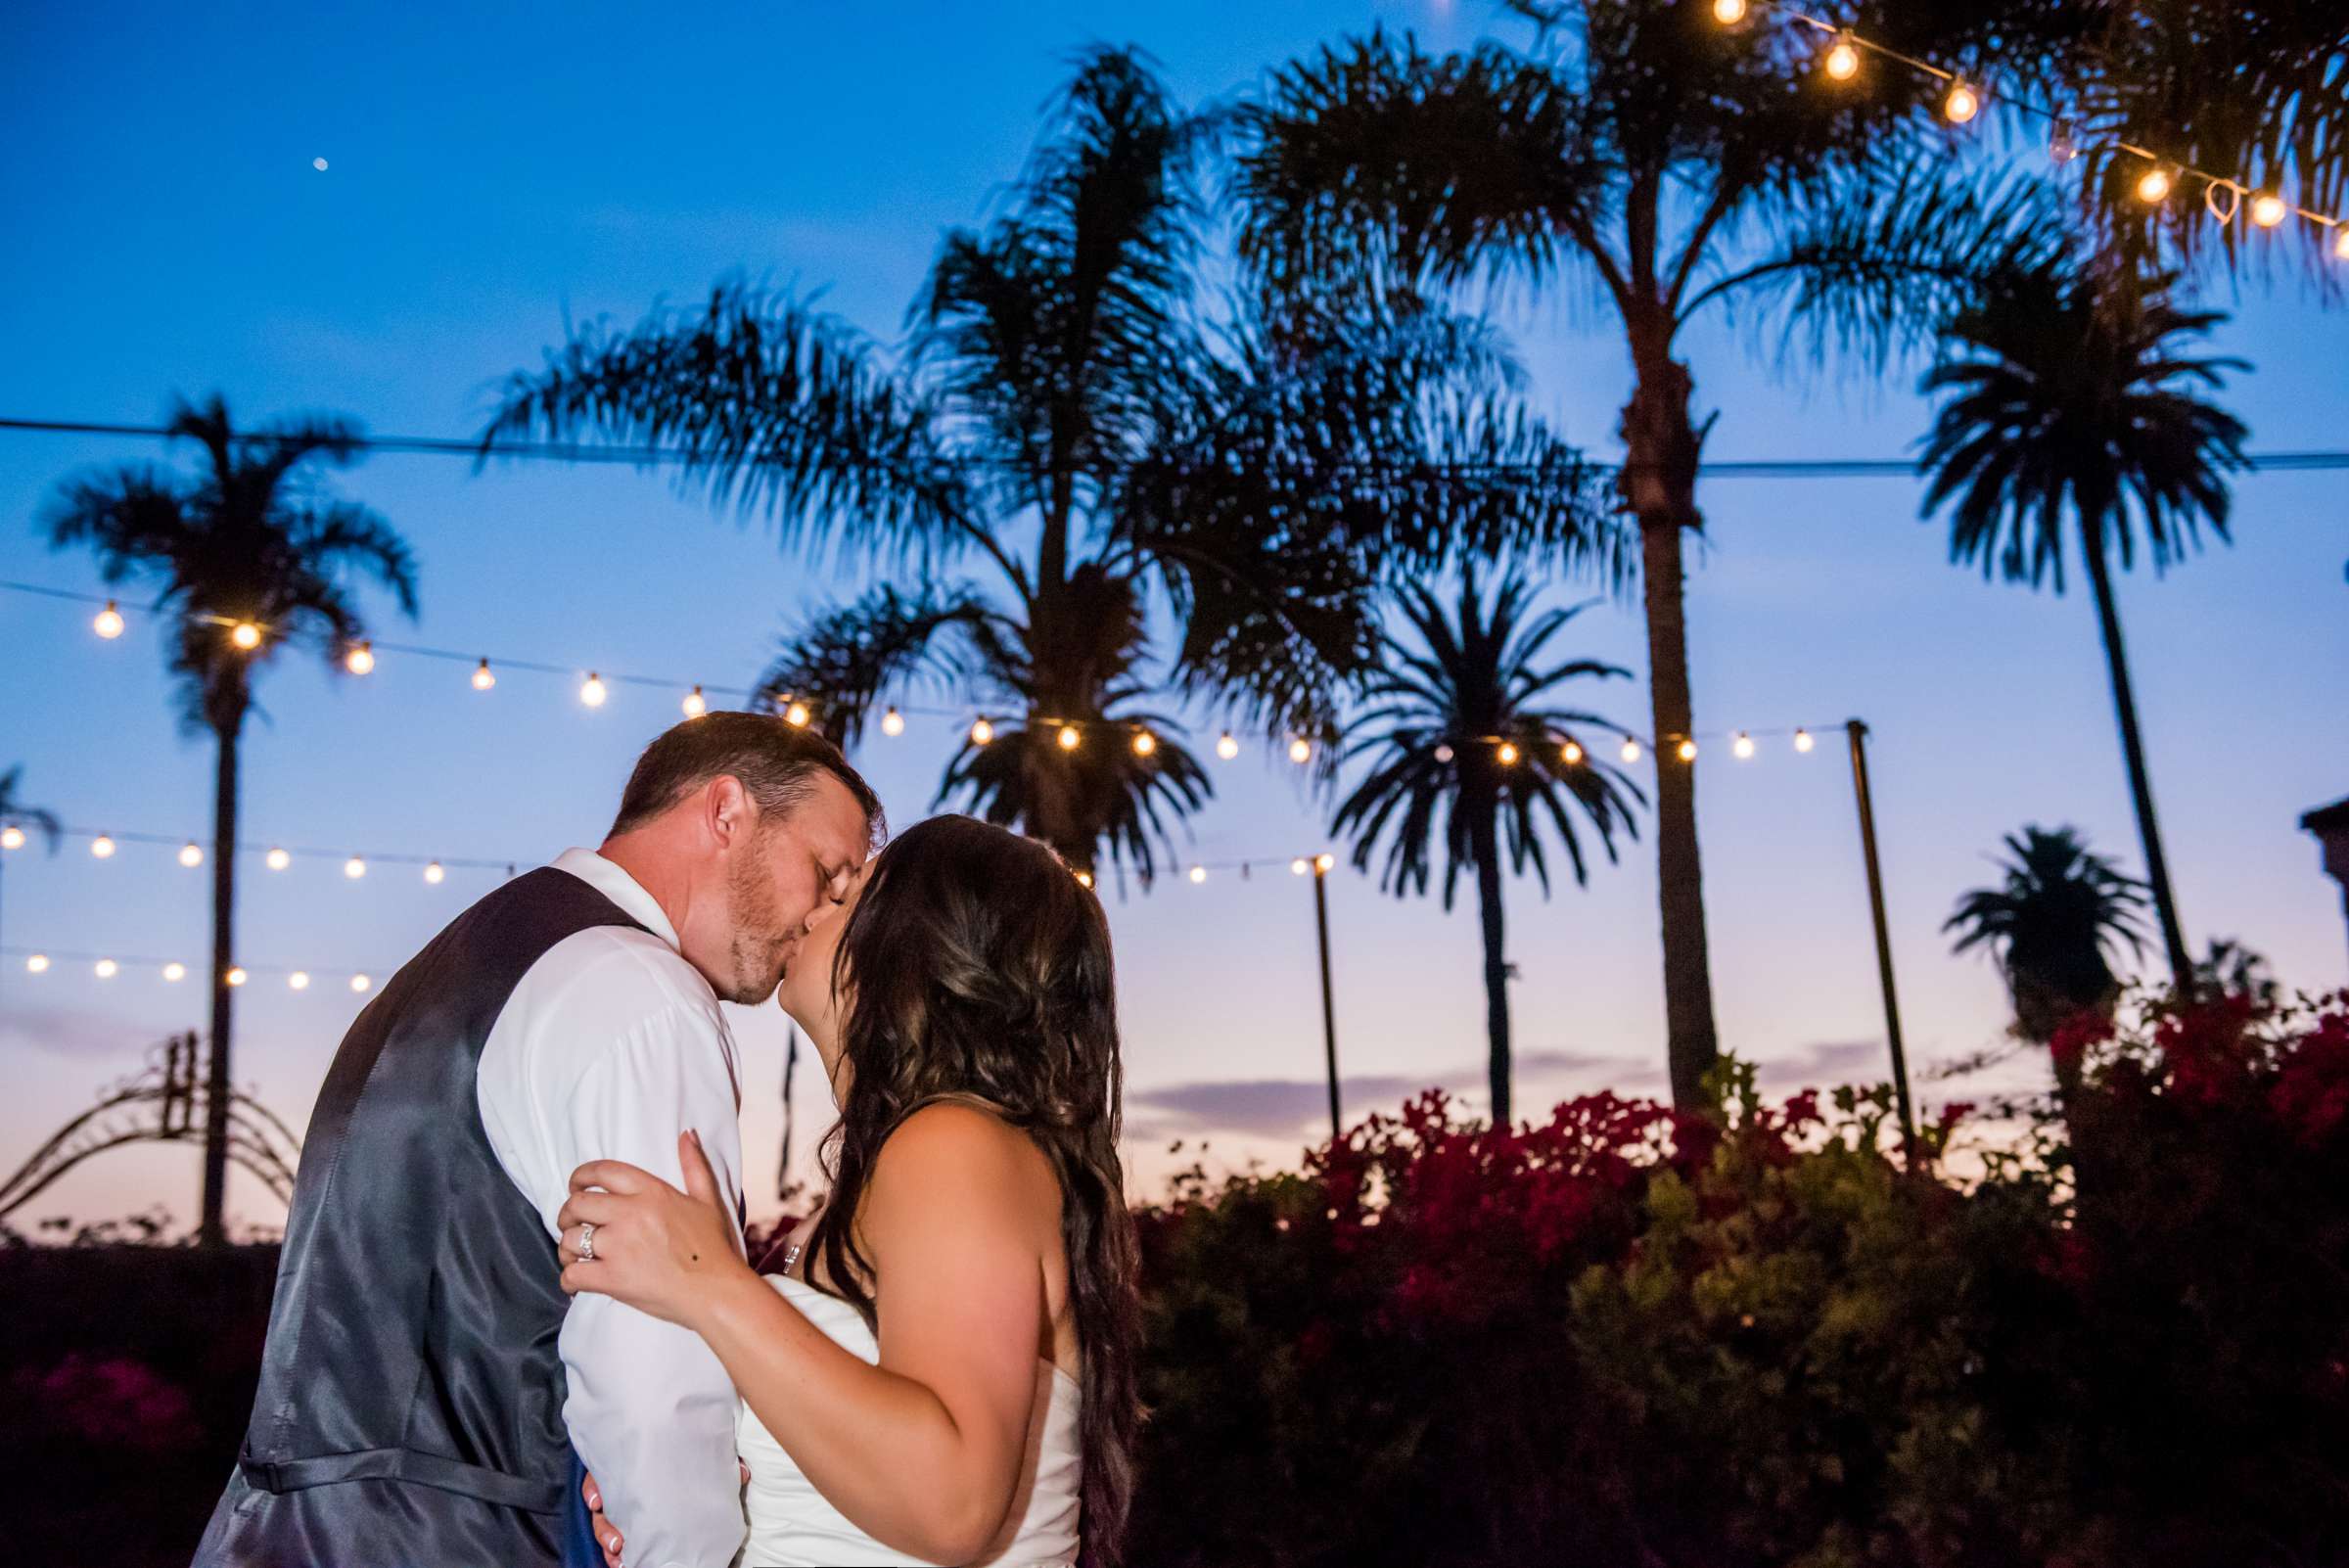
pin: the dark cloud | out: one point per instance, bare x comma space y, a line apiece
1827, 1063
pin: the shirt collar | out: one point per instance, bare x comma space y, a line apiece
622, 888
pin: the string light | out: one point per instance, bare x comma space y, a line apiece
796, 715
105, 969
2154, 188
1631, 750
355, 867
360, 983
1843, 60
102, 848
1069, 738
483, 679
981, 732
1744, 747
1227, 746
695, 704
1301, 750
237, 975
1325, 861
276, 859
1442, 753
107, 966
109, 621
1962, 105
1571, 754
360, 660
1084, 879
1506, 756
2267, 210
1198, 873
245, 635
1300, 866
12, 837
893, 723
37, 964
1144, 743
191, 855
435, 874
2062, 144
1729, 13
2340, 242
1686, 750
1802, 740
175, 972
591, 691
300, 980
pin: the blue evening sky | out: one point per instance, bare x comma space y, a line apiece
492, 167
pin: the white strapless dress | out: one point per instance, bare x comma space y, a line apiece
792, 1526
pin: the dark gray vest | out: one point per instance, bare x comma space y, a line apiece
411, 1398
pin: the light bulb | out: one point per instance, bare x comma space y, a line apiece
1325, 860
278, 860
796, 715
1729, 13
245, 635
695, 704
1631, 750
102, 847
483, 681
1443, 752
2155, 187
191, 855
360, 660
1069, 738
1507, 755
237, 975
37, 964
1962, 105
2267, 210
354, 868
2340, 240
1084, 879
1745, 745
1572, 753
105, 969
1144, 743
298, 981
2062, 144
1227, 747
1802, 740
981, 732
109, 621
1686, 750
360, 983
1198, 873
893, 723
175, 972
1301, 750
12, 837
1300, 866
435, 874
591, 691
1843, 61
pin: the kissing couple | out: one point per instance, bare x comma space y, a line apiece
513, 1322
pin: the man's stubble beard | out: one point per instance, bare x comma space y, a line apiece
757, 937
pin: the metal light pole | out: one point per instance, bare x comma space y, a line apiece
1876, 904
1329, 1014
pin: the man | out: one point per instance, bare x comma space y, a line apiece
424, 1390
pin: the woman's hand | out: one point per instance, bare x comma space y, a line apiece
662, 1251
607, 1534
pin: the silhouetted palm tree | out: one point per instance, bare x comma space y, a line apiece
20, 813
2053, 926
1066, 416
2073, 394
248, 544
1672, 164
1458, 725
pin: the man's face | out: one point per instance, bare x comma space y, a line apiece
789, 877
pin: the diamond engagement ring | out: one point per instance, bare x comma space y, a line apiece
587, 1242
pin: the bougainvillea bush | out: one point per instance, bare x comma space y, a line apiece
1626, 1337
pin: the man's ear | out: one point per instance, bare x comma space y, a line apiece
729, 813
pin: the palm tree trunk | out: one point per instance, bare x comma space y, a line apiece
224, 902
2132, 748
1658, 484
1485, 844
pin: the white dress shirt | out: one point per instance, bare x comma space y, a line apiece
610, 1047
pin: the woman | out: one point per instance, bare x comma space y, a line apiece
944, 1371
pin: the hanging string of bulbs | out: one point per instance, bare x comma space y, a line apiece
2223, 196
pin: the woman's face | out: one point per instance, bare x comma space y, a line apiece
807, 992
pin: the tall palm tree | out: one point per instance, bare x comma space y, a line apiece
253, 542
1460, 724
1066, 418
2055, 926
2073, 391
19, 814
1674, 164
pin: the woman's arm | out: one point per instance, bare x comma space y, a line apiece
922, 1453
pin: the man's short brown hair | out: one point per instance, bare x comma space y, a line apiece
777, 761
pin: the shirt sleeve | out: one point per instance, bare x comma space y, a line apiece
651, 1411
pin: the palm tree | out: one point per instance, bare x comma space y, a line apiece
1065, 418
1676, 165
2073, 391
252, 555
1457, 725
2053, 926
18, 813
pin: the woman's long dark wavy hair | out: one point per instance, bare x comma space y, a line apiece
974, 966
